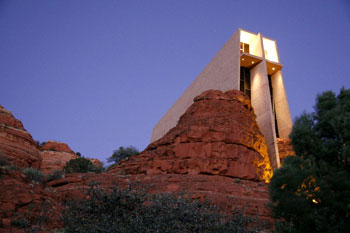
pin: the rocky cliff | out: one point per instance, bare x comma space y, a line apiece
16, 144
217, 135
55, 155
216, 152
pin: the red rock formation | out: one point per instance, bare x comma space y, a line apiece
22, 198
55, 155
285, 148
216, 152
16, 144
57, 146
217, 135
96, 162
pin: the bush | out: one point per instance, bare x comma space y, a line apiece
3, 160
34, 174
122, 153
35, 219
55, 175
79, 165
311, 192
133, 210
20, 223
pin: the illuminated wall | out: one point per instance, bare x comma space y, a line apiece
270, 50
223, 73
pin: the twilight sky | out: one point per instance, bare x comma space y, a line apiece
100, 74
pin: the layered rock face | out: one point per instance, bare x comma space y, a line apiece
217, 135
55, 155
16, 144
285, 148
216, 152
21, 197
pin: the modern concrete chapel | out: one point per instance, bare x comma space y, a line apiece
250, 63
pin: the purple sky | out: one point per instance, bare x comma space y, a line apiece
100, 74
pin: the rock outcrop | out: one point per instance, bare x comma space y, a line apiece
217, 135
216, 152
16, 144
22, 199
285, 148
55, 155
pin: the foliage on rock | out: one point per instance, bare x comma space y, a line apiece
80, 165
311, 192
34, 174
55, 175
122, 153
133, 210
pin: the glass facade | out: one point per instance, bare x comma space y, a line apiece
273, 105
244, 48
245, 81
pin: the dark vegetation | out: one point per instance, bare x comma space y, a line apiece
122, 153
311, 192
133, 210
55, 175
81, 165
34, 174
34, 219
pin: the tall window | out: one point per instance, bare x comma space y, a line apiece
245, 81
273, 105
244, 48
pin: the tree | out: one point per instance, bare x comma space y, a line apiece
122, 153
79, 165
311, 192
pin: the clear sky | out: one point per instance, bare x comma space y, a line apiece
100, 74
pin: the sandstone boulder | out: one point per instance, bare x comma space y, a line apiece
285, 148
16, 144
21, 198
217, 135
55, 155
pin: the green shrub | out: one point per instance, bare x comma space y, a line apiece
55, 175
58, 231
20, 223
34, 174
3, 160
133, 210
122, 153
79, 165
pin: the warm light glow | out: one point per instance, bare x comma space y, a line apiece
252, 62
242, 59
270, 50
314, 201
273, 68
247, 37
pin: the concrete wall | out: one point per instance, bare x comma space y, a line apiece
284, 119
261, 102
255, 46
222, 73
